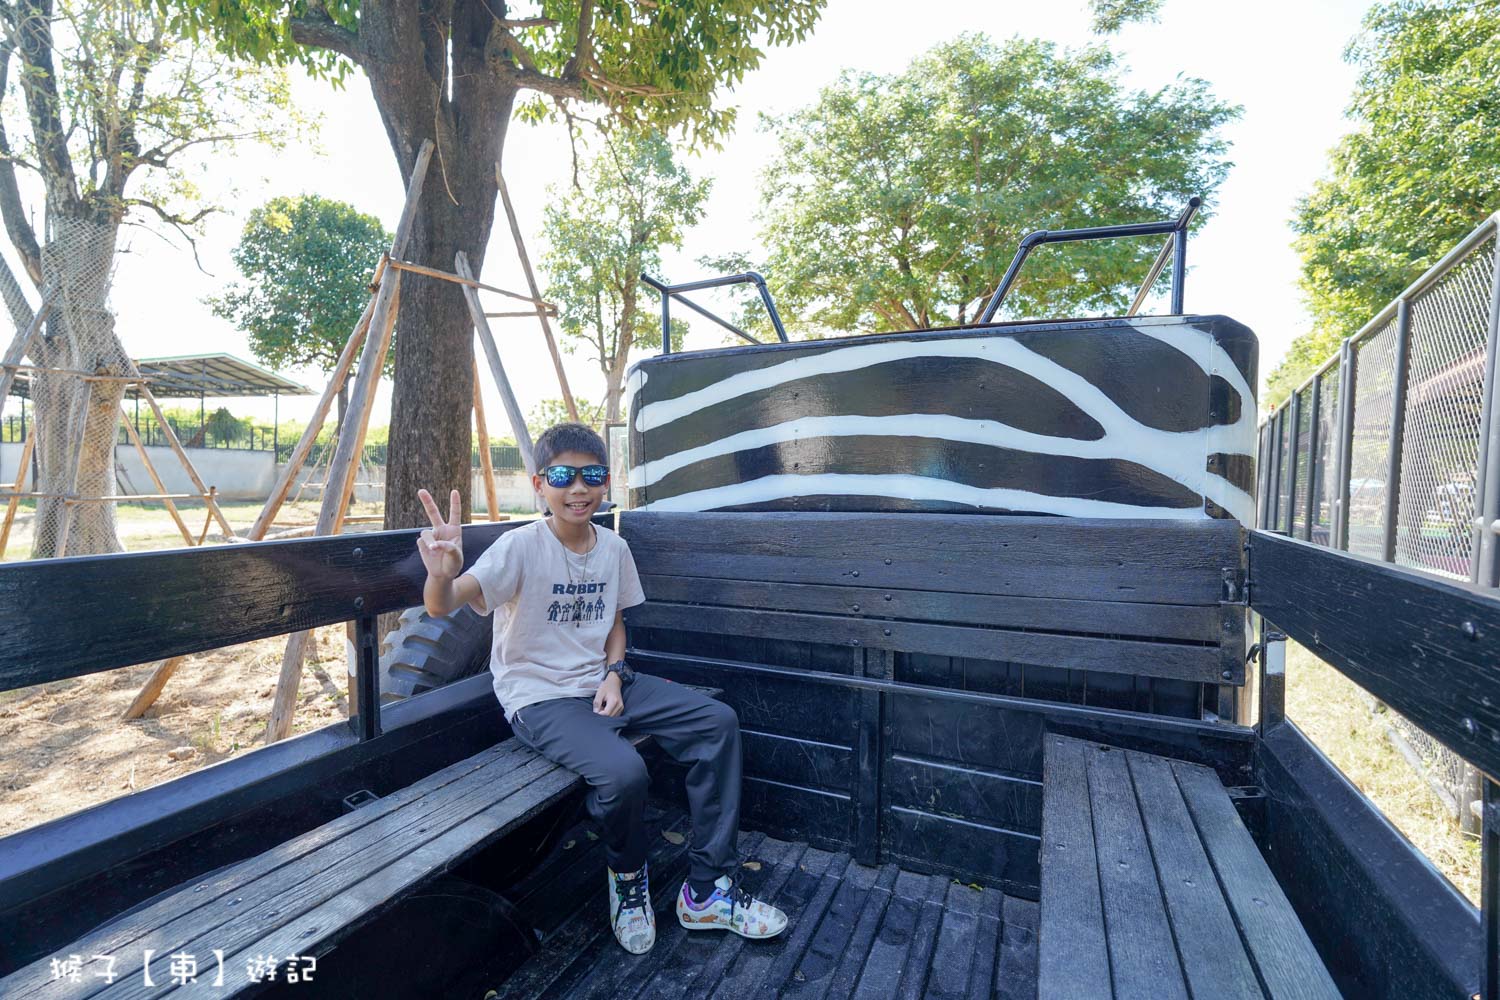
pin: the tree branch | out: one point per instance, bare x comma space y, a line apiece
39, 83
322, 33
21, 313
22, 236
177, 222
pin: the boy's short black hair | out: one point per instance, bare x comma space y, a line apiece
568, 437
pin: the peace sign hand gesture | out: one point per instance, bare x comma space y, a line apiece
442, 545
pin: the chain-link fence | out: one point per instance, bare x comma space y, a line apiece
1392, 470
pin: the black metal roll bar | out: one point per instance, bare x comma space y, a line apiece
668, 292
1174, 229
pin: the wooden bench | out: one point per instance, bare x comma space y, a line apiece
302, 897
1152, 887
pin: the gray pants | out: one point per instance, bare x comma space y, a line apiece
691, 727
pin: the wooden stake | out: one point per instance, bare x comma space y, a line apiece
140, 449
486, 465
541, 314
507, 396
167, 432
151, 690
340, 467
18, 486
21, 346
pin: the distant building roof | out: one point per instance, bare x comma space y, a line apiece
194, 375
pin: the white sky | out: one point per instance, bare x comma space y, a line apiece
1280, 60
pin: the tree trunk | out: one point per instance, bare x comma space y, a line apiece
614, 374
430, 440
81, 337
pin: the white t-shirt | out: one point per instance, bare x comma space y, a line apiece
549, 643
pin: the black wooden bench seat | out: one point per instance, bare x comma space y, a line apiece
1153, 887
305, 895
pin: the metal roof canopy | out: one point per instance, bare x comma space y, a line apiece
197, 375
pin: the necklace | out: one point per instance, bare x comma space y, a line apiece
583, 575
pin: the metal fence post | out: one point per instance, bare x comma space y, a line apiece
1485, 570
1291, 464
1272, 679
1347, 379
1489, 880
1402, 362
1315, 401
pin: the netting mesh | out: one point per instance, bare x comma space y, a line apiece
1283, 478
1374, 363
1321, 479
1303, 481
1440, 443
76, 415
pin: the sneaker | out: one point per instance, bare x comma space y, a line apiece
630, 912
729, 908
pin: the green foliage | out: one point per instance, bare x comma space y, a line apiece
554, 411
635, 199
655, 64
307, 262
1109, 16
225, 426
1419, 172
1305, 355
897, 201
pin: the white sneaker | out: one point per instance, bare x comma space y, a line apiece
630, 912
729, 908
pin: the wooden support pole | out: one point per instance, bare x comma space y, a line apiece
362, 426
171, 436
315, 423
140, 449
541, 315
432, 272
486, 465
371, 361
18, 487
21, 346
80, 422
487, 340
208, 517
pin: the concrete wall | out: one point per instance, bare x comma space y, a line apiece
239, 475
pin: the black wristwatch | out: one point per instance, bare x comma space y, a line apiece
623, 669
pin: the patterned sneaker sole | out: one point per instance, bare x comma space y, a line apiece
709, 922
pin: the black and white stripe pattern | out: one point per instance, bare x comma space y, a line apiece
1151, 417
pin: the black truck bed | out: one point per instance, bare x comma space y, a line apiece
855, 930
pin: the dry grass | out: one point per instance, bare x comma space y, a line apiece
1336, 715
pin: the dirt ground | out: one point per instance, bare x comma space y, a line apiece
64, 745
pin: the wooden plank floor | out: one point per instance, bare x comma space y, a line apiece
1153, 888
854, 932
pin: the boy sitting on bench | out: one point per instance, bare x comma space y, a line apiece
562, 681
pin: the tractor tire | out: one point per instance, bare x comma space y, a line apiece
423, 653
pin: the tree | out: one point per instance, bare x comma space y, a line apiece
553, 411
1420, 170
307, 263
897, 201
106, 107
634, 200
1109, 16
453, 72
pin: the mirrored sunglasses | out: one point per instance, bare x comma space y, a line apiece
561, 476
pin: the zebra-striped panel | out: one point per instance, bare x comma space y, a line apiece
1149, 417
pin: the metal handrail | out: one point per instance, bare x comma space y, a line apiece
668, 292
1174, 229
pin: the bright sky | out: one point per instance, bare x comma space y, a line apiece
1281, 60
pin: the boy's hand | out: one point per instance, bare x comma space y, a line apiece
442, 545
608, 700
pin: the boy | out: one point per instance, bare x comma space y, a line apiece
562, 681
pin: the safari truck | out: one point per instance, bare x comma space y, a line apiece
1007, 654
